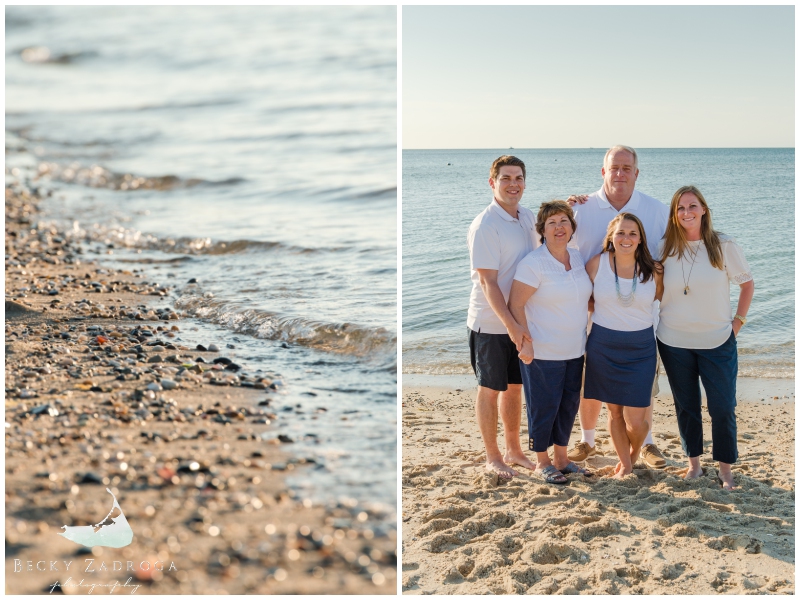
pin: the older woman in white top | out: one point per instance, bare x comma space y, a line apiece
551, 293
696, 334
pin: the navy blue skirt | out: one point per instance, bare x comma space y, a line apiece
620, 366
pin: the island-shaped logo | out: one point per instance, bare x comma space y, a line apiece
112, 532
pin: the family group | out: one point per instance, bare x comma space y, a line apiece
577, 306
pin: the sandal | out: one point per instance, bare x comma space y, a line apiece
573, 468
552, 475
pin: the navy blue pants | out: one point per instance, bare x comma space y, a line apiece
717, 369
552, 397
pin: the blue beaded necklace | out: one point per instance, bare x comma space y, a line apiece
624, 299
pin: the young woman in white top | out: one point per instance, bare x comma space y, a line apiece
621, 351
696, 334
551, 294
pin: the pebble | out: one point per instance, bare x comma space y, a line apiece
45, 409
168, 384
213, 348
154, 387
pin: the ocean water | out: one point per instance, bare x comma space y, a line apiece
254, 150
750, 193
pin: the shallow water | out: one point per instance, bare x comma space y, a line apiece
252, 149
750, 192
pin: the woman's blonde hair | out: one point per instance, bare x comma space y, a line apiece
644, 260
675, 242
549, 209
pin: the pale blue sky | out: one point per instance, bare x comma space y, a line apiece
595, 76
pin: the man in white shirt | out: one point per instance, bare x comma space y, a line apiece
593, 214
498, 239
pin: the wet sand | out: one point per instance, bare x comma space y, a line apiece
465, 532
101, 393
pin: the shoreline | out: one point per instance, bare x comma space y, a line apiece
748, 389
466, 532
101, 392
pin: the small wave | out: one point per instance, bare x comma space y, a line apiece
390, 191
375, 344
184, 105
96, 176
22, 137
131, 238
155, 261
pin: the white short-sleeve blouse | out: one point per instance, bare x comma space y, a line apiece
700, 318
557, 312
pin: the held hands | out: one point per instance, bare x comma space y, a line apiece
526, 353
577, 199
518, 335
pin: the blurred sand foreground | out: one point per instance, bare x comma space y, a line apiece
198, 467
650, 533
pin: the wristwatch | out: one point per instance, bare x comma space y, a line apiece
741, 318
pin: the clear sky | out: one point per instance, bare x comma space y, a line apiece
595, 76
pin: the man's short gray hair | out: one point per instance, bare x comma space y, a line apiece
627, 149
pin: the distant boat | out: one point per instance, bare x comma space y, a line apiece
511, 147
112, 532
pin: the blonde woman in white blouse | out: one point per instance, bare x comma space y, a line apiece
696, 334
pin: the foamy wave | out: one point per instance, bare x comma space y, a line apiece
131, 238
376, 344
99, 177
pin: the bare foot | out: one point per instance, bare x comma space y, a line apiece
726, 477
620, 471
520, 460
694, 473
501, 468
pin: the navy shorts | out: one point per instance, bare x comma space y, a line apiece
495, 360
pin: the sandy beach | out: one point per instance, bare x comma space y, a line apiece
101, 393
465, 532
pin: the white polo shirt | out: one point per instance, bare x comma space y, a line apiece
497, 241
557, 313
594, 216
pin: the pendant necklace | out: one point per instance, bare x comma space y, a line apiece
685, 279
624, 299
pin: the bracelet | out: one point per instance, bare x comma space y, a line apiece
741, 318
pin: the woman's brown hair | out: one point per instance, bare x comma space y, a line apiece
552, 208
675, 242
644, 260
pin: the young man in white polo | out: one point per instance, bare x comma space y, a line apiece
593, 214
498, 239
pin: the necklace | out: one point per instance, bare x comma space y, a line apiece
624, 299
686, 279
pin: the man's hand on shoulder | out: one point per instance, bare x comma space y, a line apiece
577, 199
